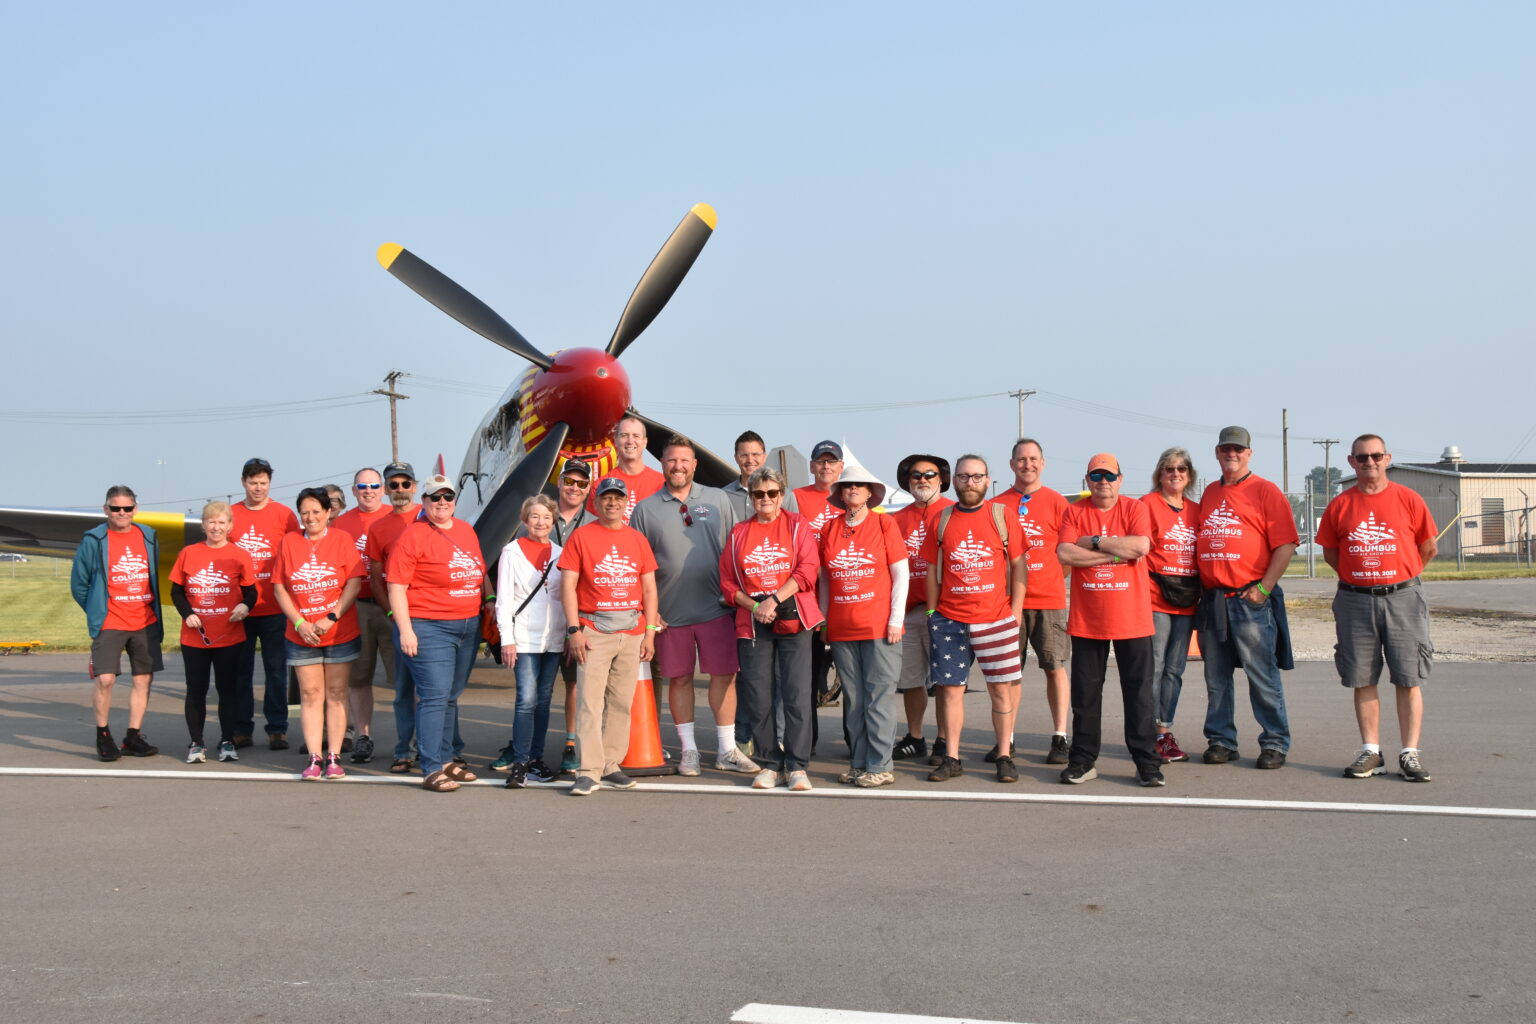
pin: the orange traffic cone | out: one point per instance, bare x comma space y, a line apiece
645, 756
1194, 645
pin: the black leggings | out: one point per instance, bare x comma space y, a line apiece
222, 661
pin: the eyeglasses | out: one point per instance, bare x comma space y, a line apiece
687, 519
401, 485
1175, 469
923, 474
441, 496
965, 478
764, 495
338, 504
1230, 449
121, 508
1100, 475
827, 461
1369, 456
256, 466
575, 481
366, 487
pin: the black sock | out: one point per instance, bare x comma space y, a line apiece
102, 730
130, 733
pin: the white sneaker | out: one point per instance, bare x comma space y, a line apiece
196, 754
733, 760
799, 782
688, 764
227, 752
766, 779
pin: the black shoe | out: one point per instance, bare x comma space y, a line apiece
1006, 772
909, 748
949, 768
991, 757
937, 757
135, 745
275, 741
1151, 777
1073, 774
1218, 754
538, 771
106, 747
242, 740
1269, 758
1059, 750
618, 780
362, 750
517, 776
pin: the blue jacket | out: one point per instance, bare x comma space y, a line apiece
88, 578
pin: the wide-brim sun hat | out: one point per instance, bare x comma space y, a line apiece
853, 473
904, 471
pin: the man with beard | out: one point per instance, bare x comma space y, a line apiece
926, 478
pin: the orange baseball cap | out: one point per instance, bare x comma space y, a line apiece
1104, 460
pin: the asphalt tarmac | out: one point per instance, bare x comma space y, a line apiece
169, 900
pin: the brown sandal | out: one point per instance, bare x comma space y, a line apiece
402, 765
439, 782
459, 772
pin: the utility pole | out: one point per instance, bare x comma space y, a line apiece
388, 391
1327, 444
1021, 394
1285, 451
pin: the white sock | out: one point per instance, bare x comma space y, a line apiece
1410, 750
725, 736
1372, 748
685, 735
1061, 734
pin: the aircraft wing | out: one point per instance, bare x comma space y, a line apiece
56, 533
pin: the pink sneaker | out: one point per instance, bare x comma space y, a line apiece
333, 769
313, 772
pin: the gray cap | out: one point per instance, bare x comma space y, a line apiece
611, 485
399, 469
1234, 435
853, 473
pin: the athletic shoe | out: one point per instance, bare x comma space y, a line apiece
1059, 749
1365, 765
849, 776
362, 750
1150, 778
538, 771
937, 757
909, 748
242, 740
347, 740
1168, 748
227, 752
197, 753
517, 776
135, 744
1006, 772
277, 741
1218, 754
874, 780
1270, 758
766, 779
799, 782
333, 769
106, 747
314, 771
583, 786
616, 779
568, 760
733, 760
1075, 774
1410, 767
949, 768
991, 757
830, 698
688, 764
504, 760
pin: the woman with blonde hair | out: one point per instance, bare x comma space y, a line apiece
1175, 580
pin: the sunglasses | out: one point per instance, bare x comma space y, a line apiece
1369, 456
1100, 475
1175, 469
366, 487
441, 496
256, 466
401, 485
1229, 449
121, 508
687, 519
207, 641
763, 495
575, 481
923, 474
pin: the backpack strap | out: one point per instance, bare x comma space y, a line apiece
1000, 520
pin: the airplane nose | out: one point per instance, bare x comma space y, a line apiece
585, 388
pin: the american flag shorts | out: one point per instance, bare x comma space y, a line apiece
992, 645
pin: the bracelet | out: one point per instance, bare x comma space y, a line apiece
1260, 585
755, 604
930, 611
297, 623
1114, 559
652, 627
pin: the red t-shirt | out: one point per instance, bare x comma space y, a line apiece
314, 573
258, 532
608, 564
858, 562
973, 580
638, 486
1040, 518
381, 540
1173, 545
1241, 524
212, 578
443, 568
129, 597
914, 524
1377, 535
816, 508
767, 555
357, 522
1109, 602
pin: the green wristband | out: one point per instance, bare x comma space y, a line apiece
1260, 585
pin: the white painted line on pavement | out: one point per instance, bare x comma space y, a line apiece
830, 792
767, 1013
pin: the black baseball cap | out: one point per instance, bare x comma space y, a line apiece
831, 448
400, 469
612, 485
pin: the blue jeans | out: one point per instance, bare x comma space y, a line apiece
535, 685
1250, 645
869, 670
445, 652
1170, 652
268, 630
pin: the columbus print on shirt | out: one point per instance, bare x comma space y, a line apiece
915, 541
1221, 519
1179, 535
131, 566
207, 579
463, 560
255, 545
617, 568
970, 553
1369, 531
767, 555
313, 572
851, 557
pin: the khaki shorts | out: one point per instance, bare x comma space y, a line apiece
1386, 630
916, 649
1045, 630
107, 652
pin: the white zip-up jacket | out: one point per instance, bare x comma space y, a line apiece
540, 627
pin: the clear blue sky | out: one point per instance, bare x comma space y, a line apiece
1198, 213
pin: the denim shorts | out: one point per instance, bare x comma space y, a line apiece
335, 654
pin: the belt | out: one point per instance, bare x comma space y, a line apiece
1379, 591
369, 600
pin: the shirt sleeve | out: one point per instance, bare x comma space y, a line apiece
1280, 527
402, 560
1069, 530
1327, 527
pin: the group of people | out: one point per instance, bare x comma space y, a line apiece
762, 588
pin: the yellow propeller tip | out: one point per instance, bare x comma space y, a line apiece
705, 213
387, 253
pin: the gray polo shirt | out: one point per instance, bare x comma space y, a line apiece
743, 501
687, 557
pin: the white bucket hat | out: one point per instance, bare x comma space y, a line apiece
854, 473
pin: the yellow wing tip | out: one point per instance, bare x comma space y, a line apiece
387, 253
705, 213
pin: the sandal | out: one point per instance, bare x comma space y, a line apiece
458, 771
439, 782
401, 765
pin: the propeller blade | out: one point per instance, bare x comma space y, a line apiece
663, 276
498, 521
713, 471
450, 297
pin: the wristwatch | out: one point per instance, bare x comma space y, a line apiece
572, 630
1095, 540
332, 616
